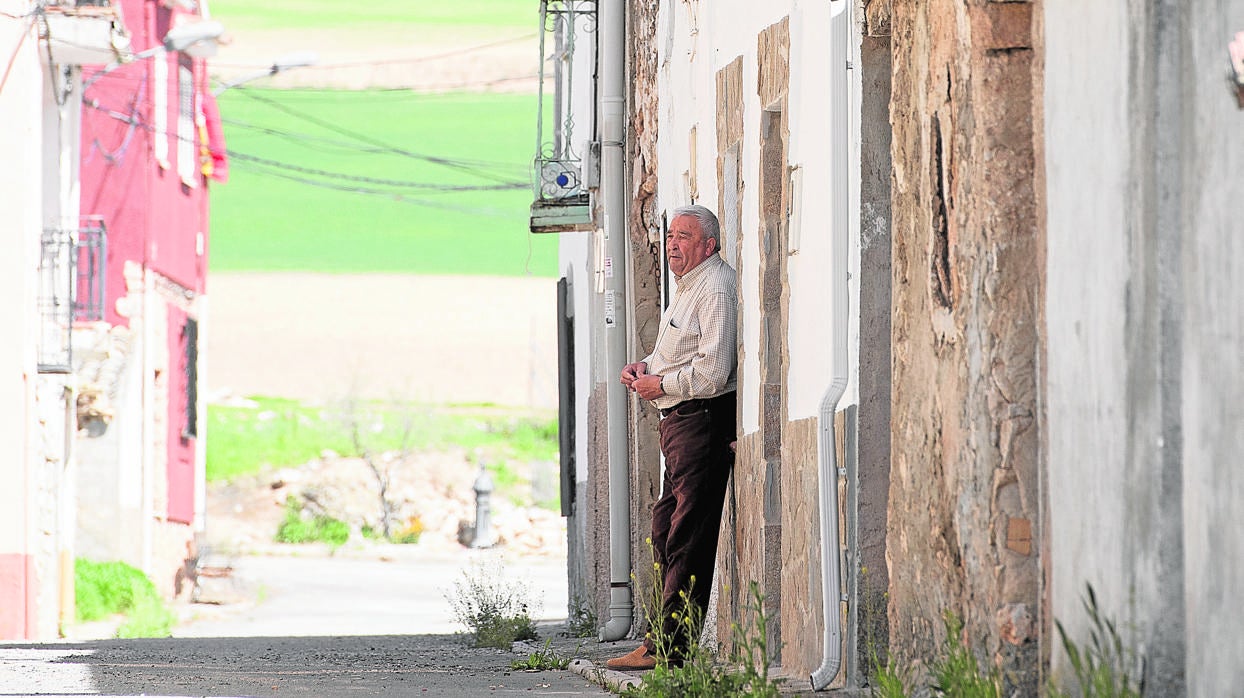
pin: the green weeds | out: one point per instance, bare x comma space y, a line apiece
493, 608
1101, 665
957, 673
582, 621
541, 660
745, 673
299, 526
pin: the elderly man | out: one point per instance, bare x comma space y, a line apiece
690, 377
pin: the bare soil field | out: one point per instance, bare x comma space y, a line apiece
432, 339
430, 59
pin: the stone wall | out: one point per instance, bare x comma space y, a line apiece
645, 235
967, 290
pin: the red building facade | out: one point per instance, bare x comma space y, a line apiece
144, 173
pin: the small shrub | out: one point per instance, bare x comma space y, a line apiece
297, 528
541, 660
492, 607
104, 589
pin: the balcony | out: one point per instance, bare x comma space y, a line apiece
71, 289
564, 172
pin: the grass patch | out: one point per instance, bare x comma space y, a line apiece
105, 589
278, 432
375, 139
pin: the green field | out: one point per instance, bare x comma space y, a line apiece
377, 181
283, 14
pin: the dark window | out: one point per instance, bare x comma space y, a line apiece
190, 338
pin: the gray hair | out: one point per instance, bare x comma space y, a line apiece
708, 222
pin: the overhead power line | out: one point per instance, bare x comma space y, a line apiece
336, 181
386, 147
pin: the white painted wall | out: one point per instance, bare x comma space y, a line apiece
699, 39
1087, 168
1145, 330
21, 199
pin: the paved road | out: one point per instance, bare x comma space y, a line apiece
407, 665
322, 626
401, 591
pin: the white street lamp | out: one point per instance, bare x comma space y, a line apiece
195, 39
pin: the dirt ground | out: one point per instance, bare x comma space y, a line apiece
436, 339
424, 59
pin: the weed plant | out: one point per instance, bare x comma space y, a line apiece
105, 589
957, 673
541, 660
298, 527
1100, 666
699, 675
582, 621
493, 608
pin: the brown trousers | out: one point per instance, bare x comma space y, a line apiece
695, 439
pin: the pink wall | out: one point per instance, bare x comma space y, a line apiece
180, 437
152, 216
18, 592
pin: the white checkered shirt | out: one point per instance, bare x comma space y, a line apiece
695, 353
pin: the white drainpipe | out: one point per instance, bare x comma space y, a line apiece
612, 37
831, 586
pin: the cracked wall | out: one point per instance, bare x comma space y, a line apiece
967, 289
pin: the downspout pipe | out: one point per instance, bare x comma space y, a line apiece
611, 69
827, 456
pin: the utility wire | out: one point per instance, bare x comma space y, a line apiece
311, 141
395, 61
233, 154
444, 162
393, 196
286, 171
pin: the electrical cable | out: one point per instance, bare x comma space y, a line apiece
21, 39
283, 170
395, 61
444, 162
311, 141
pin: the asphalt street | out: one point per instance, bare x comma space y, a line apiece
325, 626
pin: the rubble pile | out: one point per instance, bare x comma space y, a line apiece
428, 494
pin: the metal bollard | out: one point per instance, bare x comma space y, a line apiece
483, 510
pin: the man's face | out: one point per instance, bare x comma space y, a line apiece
686, 246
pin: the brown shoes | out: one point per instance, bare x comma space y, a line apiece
639, 660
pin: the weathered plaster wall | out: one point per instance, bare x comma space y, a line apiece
1212, 265
1146, 326
967, 287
